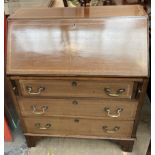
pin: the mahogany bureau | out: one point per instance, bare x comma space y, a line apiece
79, 72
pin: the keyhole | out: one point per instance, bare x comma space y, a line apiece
74, 26
76, 120
74, 83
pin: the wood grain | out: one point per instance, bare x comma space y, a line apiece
92, 46
75, 107
79, 12
68, 126
143, 88
74, 54
66, 88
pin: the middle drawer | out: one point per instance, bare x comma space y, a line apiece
108, 109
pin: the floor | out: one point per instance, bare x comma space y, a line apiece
70, 146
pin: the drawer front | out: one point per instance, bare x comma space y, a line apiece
122, 110
77, 88
74, 127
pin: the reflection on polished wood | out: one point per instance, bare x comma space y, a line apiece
94, 46
79, 72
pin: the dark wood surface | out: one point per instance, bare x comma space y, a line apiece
126, 145
142, 90
149, 149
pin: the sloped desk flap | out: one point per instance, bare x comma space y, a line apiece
78, 41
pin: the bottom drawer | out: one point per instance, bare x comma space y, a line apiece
82, 127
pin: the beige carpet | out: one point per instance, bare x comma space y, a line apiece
70, 146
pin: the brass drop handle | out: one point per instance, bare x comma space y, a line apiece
43, 110
46, 127
118, 112
119, 92
114, 130
30, 90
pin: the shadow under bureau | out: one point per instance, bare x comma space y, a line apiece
79, 72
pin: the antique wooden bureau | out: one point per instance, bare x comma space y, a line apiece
79, 72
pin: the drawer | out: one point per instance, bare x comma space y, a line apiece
123, 110
81, 127
77, 88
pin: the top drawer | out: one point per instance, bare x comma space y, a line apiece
77, 88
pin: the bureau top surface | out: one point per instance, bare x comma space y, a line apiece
105, 41
80, 12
